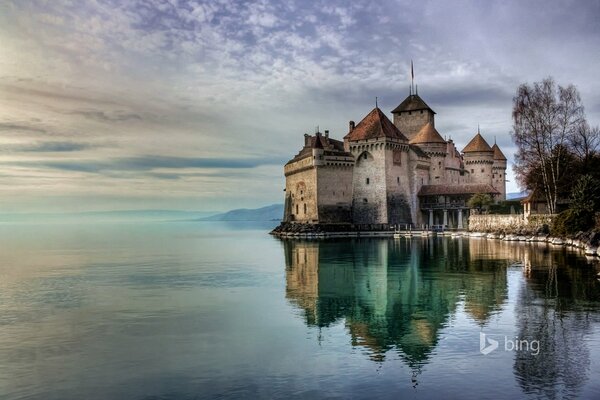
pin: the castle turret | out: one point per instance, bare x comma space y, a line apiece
499, 172
412, 115
479, 159
431, 142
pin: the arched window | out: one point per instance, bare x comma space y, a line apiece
297, 209
304, 208
368, 181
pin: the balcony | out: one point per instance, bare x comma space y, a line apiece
453, 205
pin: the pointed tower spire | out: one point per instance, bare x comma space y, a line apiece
376, 106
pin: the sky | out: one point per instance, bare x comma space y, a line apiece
195, 105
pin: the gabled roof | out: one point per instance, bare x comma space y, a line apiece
427, 134
319, 141
472, 188
375, 125
498, 155
412, 103
477, 144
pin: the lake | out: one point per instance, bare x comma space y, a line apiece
193, 310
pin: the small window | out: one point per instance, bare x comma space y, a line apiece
482, 170
440, 163
297, 209
365, 156
365, 201
472, 171
368, 181
410, 113
304, 208
398, 179
421, 111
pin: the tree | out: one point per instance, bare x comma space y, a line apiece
546, 118
585, 202
585, 143
479, 200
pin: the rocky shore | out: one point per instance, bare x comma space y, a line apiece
587, 242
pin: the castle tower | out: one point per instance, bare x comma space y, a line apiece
381, 189
499, 172
479, 160
412, 115
431, 142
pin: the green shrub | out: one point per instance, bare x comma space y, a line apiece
572, 221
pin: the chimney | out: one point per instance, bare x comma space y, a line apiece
351, 126
306, 139
326, 133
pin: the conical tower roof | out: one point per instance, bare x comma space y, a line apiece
375, 125
427, 134
498, 155
412, 103
477, 144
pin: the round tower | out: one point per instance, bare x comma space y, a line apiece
479, 160
431, 142
499, 172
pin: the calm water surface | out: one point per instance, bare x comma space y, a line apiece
192, 310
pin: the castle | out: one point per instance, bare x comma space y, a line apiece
388, 173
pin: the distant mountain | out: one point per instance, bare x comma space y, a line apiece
268, 213
117, 215
516, 195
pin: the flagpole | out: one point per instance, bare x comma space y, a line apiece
412, 78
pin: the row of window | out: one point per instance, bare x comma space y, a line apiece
368, 181
298, 211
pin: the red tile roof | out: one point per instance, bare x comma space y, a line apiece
375, 125
477, 144
427, 134
412, 103
498, 155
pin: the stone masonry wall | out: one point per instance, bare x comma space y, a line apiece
398, 187
301, 187
334, 195
369, 199
510, 222
411, 124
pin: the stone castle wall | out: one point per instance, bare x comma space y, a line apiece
369, 197
301, 192
334, 193
398, 186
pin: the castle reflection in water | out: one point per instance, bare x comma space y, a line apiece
400, 294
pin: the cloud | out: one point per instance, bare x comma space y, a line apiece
214, 91
13, 127
46, 147
149, 163
115, 116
